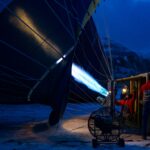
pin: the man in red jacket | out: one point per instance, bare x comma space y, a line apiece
127, 104
145, 92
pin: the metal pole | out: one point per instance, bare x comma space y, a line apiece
112, 98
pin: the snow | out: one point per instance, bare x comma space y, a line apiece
24, 127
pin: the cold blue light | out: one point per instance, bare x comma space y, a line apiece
81, 76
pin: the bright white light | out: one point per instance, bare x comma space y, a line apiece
60, 59
124, 91
85, 78
64, 55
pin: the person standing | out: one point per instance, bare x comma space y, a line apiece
145, 92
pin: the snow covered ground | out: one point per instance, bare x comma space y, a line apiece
24, 127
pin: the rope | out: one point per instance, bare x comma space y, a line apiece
90, 63
83, 91
109, 44
54, 12
67, 14
6, 90
23, 54
105, 58
97, 37
25, 77
81, 27
91, 98
45, 74
7, 75
89, 41
92, 45
35, 32
10, 82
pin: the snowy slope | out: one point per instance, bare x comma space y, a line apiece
24, 127
125, 61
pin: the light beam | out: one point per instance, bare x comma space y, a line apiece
81, 76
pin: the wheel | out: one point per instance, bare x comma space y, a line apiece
94, 130
121, 142
94, 143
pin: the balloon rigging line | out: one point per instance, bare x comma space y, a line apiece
31, 29
69, 18
11, 90
10, 76
83, 98
18, 97
23, 54
83, 110
91, 98
76, 110
92, 44
25, 77
10, 82
82, 91
101, 74
81, 65
107, 64
35, 32
109, 44
73, 101
103, 54
78, 102
68, 15
95, 54
97, 37
84, 107
66, 9
91, 63
59, 19
73, 111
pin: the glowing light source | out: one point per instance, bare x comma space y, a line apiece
124, 91
81, 76
60, 59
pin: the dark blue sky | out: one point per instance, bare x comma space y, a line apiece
126, 22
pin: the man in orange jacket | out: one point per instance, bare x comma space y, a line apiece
145, 92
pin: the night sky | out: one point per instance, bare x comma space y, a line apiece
126, 22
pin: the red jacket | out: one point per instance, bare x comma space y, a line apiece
145, 86
129, 103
